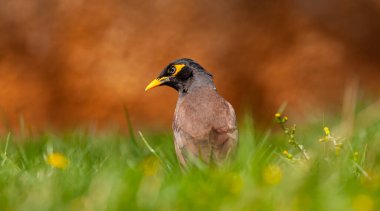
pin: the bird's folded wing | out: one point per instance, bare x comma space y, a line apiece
224, 135
215, 142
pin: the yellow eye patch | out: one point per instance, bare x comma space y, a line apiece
178, 68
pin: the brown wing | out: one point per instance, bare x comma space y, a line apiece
188, 148
224, 135
204, 127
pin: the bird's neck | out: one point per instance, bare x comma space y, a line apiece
197, 82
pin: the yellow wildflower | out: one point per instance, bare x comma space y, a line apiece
235, 183
150, 166
327, 131
363, 203
277, 115
356, 156
272, 174
287, 154
57, 160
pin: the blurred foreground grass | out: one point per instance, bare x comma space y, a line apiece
84, 171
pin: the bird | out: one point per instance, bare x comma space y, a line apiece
204, 123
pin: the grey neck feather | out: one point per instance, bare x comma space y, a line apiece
199, 80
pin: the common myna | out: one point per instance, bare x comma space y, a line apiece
204, 122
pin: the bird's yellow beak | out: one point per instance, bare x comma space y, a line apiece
156, 82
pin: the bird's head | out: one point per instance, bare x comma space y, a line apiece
180, 74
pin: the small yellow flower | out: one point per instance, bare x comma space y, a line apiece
57, 160
356, 156
363, 203
327, 131
287, 154
150, 166
280, 119
272, 174
235, 183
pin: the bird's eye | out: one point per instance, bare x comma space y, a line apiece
171, 70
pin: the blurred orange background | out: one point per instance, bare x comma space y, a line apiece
65, 64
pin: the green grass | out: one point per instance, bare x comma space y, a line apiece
112, 172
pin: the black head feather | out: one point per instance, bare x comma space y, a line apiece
191, 63
184, 78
